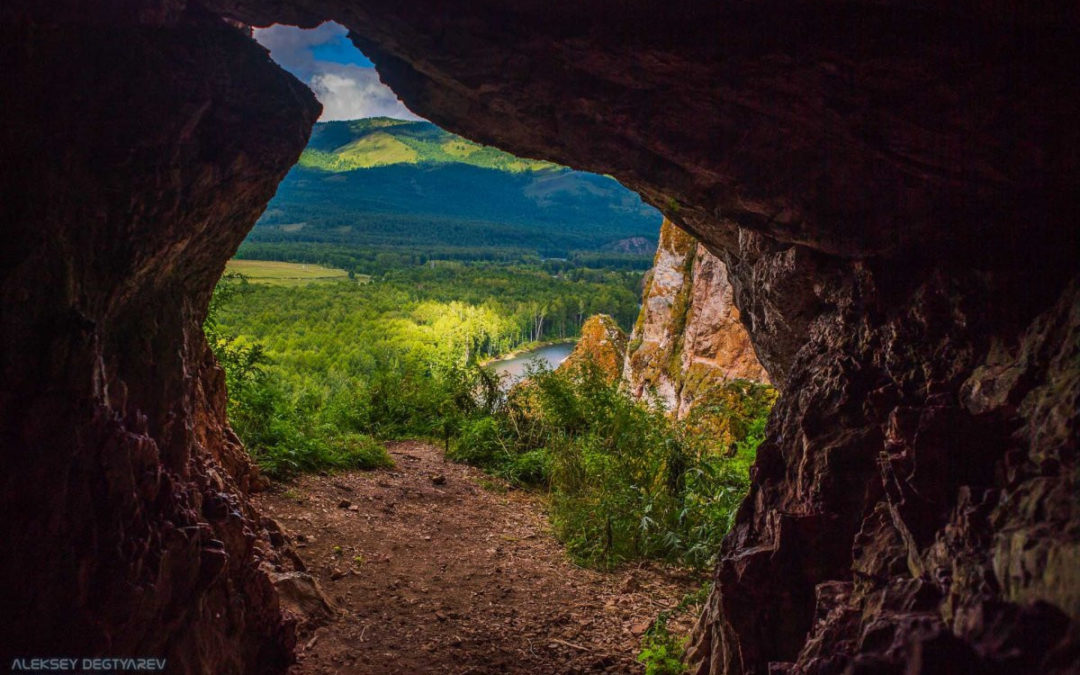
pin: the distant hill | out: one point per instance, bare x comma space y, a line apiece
385, 182
382, 141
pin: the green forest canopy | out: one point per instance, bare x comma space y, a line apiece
394, 184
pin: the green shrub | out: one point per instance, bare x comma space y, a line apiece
631, 484
486, 442
480, 443
357, 451
288, 434
661, 651
625, 481
532, 467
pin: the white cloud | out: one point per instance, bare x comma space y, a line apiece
347, 91
291, 47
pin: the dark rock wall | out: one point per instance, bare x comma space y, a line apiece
896, 514
137, 152
891, 186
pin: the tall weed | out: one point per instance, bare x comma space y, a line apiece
625, 481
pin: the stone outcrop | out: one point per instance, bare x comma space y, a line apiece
688, 338
136, 156
891, 187
890, 545
602, 344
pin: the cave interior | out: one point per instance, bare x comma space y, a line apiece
892, 186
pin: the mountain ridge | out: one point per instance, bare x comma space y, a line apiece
382, 182
384, 141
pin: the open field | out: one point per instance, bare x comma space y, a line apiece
286, 274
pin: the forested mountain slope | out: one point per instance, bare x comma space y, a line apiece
384, 182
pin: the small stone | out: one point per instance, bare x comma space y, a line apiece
344, 504
299, 592
354, 507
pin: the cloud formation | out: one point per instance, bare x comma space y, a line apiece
341, 77
349, 92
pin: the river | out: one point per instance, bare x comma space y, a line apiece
514, 367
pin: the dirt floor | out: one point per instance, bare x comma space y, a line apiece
435, 567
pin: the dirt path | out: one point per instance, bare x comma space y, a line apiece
435, 567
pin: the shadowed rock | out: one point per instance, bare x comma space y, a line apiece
890, 185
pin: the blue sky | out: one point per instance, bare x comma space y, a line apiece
342, 78
340, 49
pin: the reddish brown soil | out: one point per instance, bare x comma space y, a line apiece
461, 576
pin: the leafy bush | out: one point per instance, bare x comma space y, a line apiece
486, 441
629, 483
480, 443
358, 451
661, 651
286, 434
532, 467
625, 481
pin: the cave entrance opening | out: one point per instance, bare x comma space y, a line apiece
906, 193
376, 318
426, 256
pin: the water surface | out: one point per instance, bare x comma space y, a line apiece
550, 357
